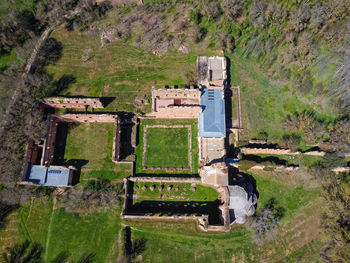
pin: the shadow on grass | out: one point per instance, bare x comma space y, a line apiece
5, 211
171, 208
258, 159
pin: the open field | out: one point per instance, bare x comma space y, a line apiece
266, 102
299, 238
167, 146
118, 69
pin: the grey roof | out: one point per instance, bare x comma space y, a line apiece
216, 68
212, 121
48, 176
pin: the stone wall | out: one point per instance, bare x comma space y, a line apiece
246, 150
177, 112
49, 145
116, 141
172, 93
87, 117
74, 103
165, 179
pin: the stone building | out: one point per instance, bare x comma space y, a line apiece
175, 103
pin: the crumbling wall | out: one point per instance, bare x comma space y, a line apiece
87, 117
177, 112
74, 103
165, 179
246, 150
172, 93
116, 141
49, 145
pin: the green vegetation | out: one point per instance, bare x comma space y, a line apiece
92, 142
97, 232
88, 147
178, 192
167, 147
161, 156
117, 70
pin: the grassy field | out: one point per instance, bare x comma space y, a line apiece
162, 156
167, 147
184, 193
266, 102
299, 238
118, 69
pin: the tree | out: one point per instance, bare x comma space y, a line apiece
337, 218
318, 17
24, 252
299, 19
265, 223
232, 8
257, 13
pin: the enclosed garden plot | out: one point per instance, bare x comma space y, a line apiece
173, 192
88, 147
167, 147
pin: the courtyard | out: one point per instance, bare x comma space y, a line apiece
167, 146
88, 147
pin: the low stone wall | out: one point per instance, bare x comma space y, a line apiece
74, 103
116, 141
165, 179
246, 150
87, 117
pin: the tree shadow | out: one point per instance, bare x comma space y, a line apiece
50, 52
63, 83
5, 211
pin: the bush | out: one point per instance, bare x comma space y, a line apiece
265, 223
290, 141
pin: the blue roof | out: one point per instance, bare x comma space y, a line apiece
52, 176
212, 121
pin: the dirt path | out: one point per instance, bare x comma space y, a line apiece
120, 251
48, 235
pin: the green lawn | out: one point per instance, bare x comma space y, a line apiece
161, 153
167, 147
80, 235
92, 142
88, 147
202, 193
